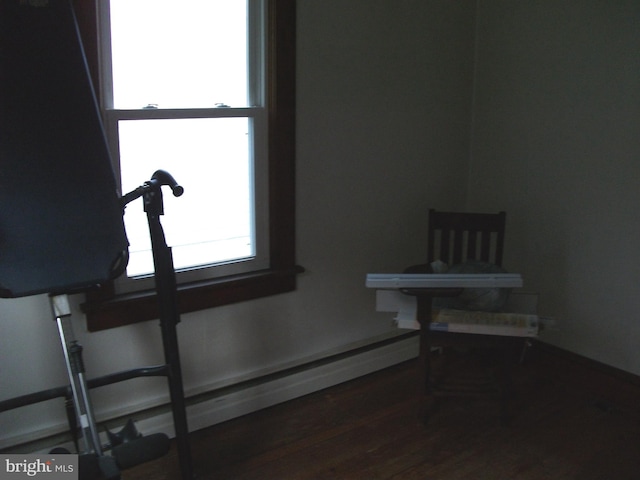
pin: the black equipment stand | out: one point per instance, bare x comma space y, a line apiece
128, 447
55, 170
165, 279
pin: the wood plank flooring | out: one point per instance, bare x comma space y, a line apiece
370, 429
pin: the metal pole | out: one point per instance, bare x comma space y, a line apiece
166, 290
75, 369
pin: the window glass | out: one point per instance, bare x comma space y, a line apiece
178, 54
213, 221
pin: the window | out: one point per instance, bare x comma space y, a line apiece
211, 100
183, 91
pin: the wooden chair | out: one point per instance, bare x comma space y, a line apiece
455, 238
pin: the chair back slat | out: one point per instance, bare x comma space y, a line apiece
445, 243
458, 241
486, 246
472, 249
455, 237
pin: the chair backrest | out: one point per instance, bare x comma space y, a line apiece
455, 237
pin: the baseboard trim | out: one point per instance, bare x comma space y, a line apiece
246, 396
601, 382
234, 401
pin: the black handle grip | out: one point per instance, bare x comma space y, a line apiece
162, 177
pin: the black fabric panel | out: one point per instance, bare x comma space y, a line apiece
61, 225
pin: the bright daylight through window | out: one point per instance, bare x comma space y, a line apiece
183, 85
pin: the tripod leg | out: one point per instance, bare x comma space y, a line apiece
169, 318
178, 405
72, 421
75, 369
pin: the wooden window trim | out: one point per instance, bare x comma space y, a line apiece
104, 309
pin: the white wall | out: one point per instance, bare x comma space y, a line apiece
556, 143
383, 134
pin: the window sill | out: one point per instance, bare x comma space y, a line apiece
104, 310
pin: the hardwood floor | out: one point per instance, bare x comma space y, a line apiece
370, 429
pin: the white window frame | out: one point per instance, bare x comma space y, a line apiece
257, 113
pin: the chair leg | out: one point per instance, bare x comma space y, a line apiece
429, 403
425, 398
506, 394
